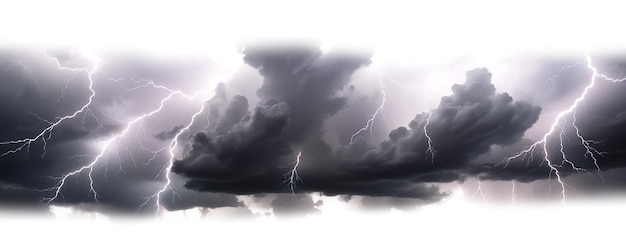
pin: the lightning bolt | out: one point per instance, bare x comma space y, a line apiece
479, 190
292, 177
172, 146
107, 144
430, 150
370, 122
46, 133
167, 169
513, 191
561, 70
590, 151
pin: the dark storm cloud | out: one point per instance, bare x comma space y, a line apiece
465, 125
234, 113
301, 89
186, 199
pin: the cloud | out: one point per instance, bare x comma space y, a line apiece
168, 135
287, 205
465, 125
301, 89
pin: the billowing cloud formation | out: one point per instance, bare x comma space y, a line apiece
301, 89
465, 125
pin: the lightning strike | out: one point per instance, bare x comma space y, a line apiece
370, 122
172, 146
512, 191
430, 150
167, 169
292, 177
106, 145
46, 133
590, 151
561, 70
479, 190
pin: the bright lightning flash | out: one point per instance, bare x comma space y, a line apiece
292, 177
370, 122
172, 146
107, 145
45, 134
590, 151
430, 150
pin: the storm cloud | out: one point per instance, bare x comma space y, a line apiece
465, 125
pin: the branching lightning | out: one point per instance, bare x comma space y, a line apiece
590, 151
479, 190
430, 150
291, 178
561, 70
106, 146
370, 122
167, 169
45, 134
